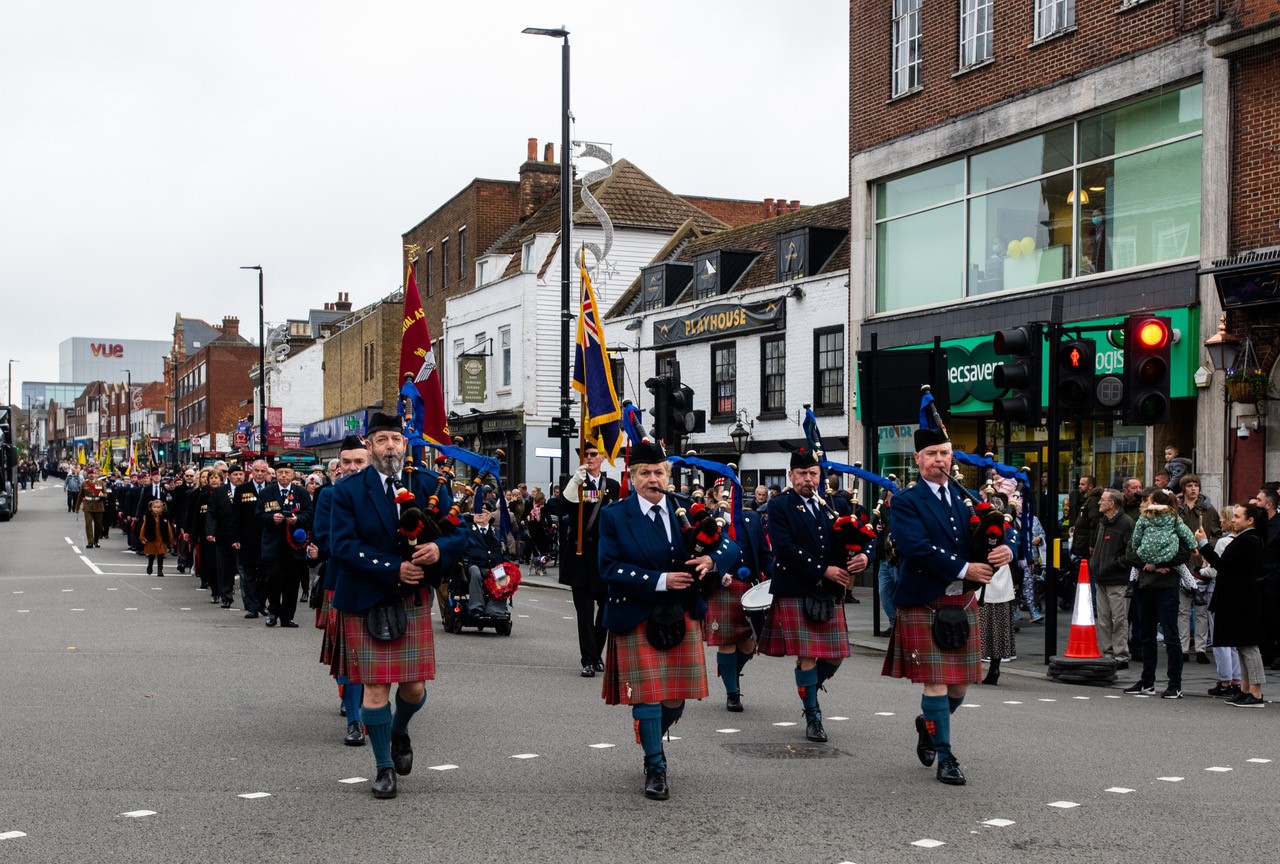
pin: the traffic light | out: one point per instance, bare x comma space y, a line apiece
1075, 376
684, 419
1147, 342
659, 388
1020, 375
160, 452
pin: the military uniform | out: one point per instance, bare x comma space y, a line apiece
92, 501
582, 572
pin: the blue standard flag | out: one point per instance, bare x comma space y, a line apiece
593, 376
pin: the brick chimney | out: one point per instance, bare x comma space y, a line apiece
538, 180
230, 325
344, 303
769, 209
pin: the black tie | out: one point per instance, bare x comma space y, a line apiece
658, 524
391, 492
942, 494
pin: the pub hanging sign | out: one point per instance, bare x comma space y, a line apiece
720, 320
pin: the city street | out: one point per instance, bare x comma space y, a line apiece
145, 724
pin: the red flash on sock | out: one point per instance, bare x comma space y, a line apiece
931, 726
636, 723
802, 692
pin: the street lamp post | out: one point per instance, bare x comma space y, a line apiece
128, 426
9, 402
262, 366
566, 253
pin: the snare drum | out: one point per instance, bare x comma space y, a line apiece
755, 603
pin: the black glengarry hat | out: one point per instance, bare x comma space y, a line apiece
803, 457
647, 453
380, 422
353, 442
930, 438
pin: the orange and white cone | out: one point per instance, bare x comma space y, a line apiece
1083, 642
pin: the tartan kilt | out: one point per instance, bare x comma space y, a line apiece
412, 657
788, 633
726, 621
636, 673
322, 613
913, 654
336, 644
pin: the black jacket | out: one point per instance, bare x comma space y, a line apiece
1109, 564
244, 522
217, 519
484, 549
275, 537
583, 571
1237, 601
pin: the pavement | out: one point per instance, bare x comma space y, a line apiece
144, 724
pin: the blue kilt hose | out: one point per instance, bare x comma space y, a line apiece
788, 633
726, 622
913, 653
412, 657
636, 673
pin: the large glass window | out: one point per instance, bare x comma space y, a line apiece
724, 381
1113, 191
975, 31
906, 46
773, 375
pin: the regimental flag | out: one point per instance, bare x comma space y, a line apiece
593, 376
108, 459
80, 458
424, 416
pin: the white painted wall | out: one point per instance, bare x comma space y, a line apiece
297, 386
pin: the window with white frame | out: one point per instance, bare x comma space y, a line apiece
1054, 16
504, 340
458, 348
906, 46
975, 32
526, 256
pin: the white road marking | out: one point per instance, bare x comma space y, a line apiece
67, 590
1085, 697
1260, 761
884, 713
92, 566
837, 718
131, 608
254, 795
184, 608
1141, 695
1046, 700
792, 722
522, 616
134, 814
525, 756
354, 780
442, 767
1012, 702
24, 610
926, 843
1171, 779
77, 609
1064, 805
11, 835
1119, 790
533, 600
76, 549
17, 592
70, 542
970, 705
567, 617
113, 589
1109, 696
999, 823
602, 746
1218, 768
728, 731
156, 588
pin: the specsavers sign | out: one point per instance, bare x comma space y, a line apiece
971, 363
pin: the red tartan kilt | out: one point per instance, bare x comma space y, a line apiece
726, 622
788, 633
412, 657
913, 654
336, 644
322, 614
636, 673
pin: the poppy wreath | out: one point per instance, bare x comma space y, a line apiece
502, 589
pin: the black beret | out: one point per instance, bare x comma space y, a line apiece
930, 438
647, 453
803, 457
380, 422
353, 442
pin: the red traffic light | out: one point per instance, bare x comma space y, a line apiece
1153, 333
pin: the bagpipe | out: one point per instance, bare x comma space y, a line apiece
855, 535
702, 531
419, 526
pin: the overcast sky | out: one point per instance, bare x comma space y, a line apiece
148, 149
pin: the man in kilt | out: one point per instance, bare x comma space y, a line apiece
808, 571
364, 541
353, 457
653, 659
932, 536
727, 627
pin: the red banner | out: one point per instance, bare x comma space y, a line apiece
418, 364
275, 427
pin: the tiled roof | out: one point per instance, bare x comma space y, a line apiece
632, 199
758, 237
194, 330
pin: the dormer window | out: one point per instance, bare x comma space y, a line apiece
805, 251
526, 256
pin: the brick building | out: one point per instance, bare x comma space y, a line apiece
362, 359
1004, 154
214, 390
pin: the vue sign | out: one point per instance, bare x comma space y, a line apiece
102, 349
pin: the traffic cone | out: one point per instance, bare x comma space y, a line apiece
1083, 641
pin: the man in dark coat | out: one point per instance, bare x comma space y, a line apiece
932, 535
587, 492
1109, 570
483, 553
218, 524
284, 508
248, 540
180, 498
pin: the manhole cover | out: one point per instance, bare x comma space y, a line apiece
783, 751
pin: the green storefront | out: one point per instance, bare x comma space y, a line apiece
1104, 448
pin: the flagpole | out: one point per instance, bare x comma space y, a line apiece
582, 415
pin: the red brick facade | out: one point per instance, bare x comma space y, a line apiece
1105, 31
220, 394
1255, 149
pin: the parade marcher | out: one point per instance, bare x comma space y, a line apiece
72, 487
932, 534
203, 537
222, 578
248, 540
91, 500
808, 572
284, 509
727, 628
365, 543
180, 498
156, 535
584, 496
353, 457
654, 612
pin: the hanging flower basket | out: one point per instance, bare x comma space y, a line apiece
1245, 385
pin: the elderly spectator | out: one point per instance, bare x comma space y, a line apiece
1235, 600
1109, 570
